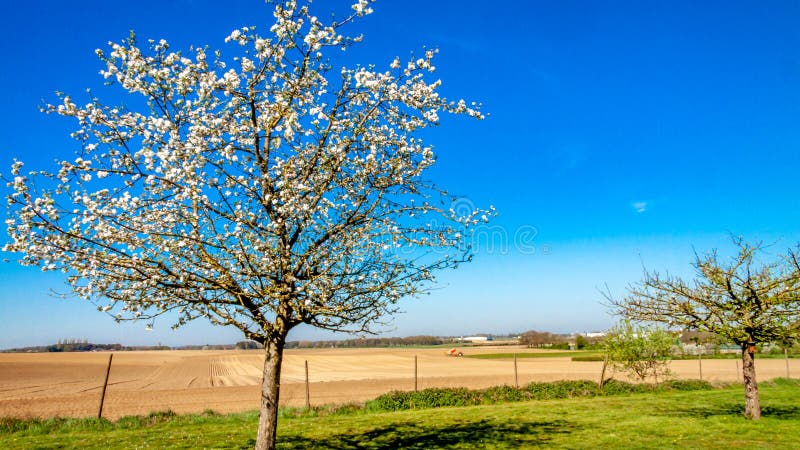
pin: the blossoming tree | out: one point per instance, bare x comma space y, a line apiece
262, 191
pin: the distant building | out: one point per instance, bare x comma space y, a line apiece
594, 334
476, 339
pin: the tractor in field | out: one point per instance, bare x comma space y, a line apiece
454, 352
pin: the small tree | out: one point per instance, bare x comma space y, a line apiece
641, 351
743, 301
261, 191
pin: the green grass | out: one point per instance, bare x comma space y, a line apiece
672, 419
738, 356
588, 358
551, 354
597, 355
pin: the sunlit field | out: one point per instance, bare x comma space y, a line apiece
69, 384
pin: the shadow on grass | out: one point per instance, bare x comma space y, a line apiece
780, 412
423, 436
731, 409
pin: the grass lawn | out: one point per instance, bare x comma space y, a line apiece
739, 356
551, 354
597, 355
693, 419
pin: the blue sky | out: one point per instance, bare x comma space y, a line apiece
624, 133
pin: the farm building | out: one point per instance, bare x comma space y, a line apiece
476, 339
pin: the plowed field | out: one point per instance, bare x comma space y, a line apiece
69, 384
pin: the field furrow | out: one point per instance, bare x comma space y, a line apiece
51, 384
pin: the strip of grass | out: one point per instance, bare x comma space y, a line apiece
593, 355
565, 354
738, 356
589, 358
676, 419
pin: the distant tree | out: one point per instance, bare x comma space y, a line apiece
744, 301
641, 351
248, 345
591, 342
540, 339
698, 337
260, 191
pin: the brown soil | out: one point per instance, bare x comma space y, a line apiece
69, 384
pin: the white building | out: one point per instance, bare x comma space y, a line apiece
475, 339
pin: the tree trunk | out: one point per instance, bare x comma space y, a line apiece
270, 390
752, 405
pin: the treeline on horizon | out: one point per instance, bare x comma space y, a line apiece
371, 342
544, 339
78, 345
85, 346
687, 340
75, 345
68, 347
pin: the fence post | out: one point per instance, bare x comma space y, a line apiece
103, 392
737, 370
700, 363
516, 380
415, 373
603, 372
786, 356
308, 398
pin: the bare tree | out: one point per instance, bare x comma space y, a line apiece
261, 191
744, 300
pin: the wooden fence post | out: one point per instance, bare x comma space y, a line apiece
105, 384
786, 356
516, 380
737, 370
700, 363
603, 372
308, 397
415, 373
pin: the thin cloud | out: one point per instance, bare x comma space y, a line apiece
639, 207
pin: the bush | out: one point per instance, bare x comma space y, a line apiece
330, 409
640, 351
562, 389
616, 387
427, 398
686, 385
502, 394
151, 419
439, 397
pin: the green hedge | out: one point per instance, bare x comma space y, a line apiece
440, 397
